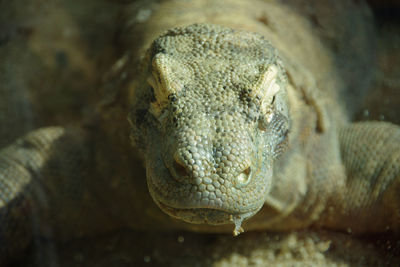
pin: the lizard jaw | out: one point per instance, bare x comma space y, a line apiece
208, 216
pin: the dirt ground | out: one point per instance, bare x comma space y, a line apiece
90, 29
304, 248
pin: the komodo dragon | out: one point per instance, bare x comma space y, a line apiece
241, 115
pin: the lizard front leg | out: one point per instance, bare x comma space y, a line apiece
40, 173
369, 200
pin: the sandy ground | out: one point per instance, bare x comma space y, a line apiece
304, 248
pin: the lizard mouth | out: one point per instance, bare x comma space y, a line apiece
200, 214
208, 216
197, 215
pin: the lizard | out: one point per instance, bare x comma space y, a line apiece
247, 109
313, 182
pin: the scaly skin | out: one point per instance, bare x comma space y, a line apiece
232, 119
218, 121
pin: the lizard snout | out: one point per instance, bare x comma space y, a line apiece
209, 171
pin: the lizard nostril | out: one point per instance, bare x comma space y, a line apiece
244, 177
179, 169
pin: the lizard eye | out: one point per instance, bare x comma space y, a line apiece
264, 121
278, 126
267, 118
273, 100
164, 82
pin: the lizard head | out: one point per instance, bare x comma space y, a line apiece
211, 119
